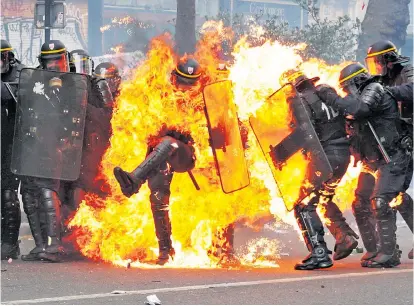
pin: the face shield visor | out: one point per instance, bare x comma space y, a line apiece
376, 65
82, 64
5, 62
56, 62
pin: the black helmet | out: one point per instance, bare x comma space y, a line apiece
109, 72
7, 56
297, 78
81, 62
53, 56
187, 72
352, 77
382, 56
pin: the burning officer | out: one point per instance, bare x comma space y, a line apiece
330, 129
10, 207
169, 151
397, 74
375, 134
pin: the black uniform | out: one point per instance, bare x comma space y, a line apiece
330, 129
10, 207
371, 104
41, 195
383, 59
96, 141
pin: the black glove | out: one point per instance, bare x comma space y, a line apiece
326, 93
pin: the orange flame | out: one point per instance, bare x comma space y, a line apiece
120, 230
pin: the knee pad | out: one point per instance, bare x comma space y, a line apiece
9, 195
30, 203
49, 199
380, 207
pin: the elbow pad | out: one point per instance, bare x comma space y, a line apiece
372, 95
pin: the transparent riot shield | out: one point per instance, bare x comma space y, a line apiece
293, 151
225, 137
50, 121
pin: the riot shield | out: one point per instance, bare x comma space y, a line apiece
225, 137
293, 151
50, 121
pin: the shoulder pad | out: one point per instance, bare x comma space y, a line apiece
372, 94
408, 73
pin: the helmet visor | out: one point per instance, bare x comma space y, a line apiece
375, 65
82, 64
4, 62
56, 63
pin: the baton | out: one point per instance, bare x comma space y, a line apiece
10, 90
380, 146
193, 179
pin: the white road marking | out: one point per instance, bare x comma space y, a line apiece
207, 286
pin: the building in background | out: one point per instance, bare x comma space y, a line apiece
286, 10
17, 27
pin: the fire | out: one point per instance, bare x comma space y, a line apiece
397, 200
120, 230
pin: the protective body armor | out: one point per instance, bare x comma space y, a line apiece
328, 125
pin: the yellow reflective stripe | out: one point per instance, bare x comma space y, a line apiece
295, 76
52, 51
6, 49
191, 76
381, 52
352, 75
105, 76
77, 60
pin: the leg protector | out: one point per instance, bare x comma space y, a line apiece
11, 216
31, 208
344, 236
131, 182
312, 231
51, 205
385, 224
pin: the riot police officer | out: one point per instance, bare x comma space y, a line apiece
96, 135
10, 207
397, 73
168, 152
375, 134
41, 194
330, 129
110, 73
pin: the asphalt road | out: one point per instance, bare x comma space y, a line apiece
86, 282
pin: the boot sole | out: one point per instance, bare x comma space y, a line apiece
123, 181
323, 266
347, 252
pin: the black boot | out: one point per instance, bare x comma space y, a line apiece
385, 224
31, 208
131, 182
51, 205
312, 231
10, 225
163, 232
366, 226
345, 238
406, 211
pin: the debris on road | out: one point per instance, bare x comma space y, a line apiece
118, 292
10, 261
152, 300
